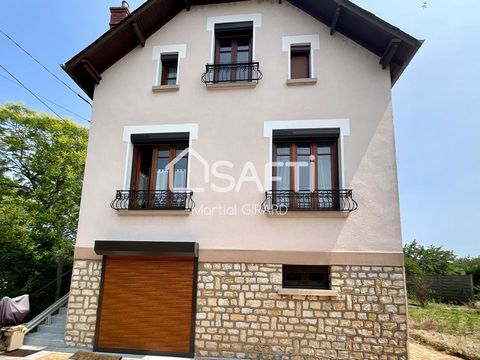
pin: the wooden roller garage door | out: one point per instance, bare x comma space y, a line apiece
146, 305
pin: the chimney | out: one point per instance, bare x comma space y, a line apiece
118, 13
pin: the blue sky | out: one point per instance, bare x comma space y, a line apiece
436, 100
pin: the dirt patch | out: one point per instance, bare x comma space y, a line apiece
461, 346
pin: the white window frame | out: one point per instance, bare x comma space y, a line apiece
175, 49
192, 130
256, 18
312, 40
342, 124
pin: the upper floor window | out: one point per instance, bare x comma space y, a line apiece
159, 171
301, 50
169, 69
306, 169
233, 43
303, 163
300, 61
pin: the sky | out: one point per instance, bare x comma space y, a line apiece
435, 101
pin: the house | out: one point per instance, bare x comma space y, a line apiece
240, 197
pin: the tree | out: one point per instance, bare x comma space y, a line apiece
431, 260
41, 171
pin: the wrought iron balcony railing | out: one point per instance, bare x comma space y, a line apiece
153, 200
318, 200
229, 73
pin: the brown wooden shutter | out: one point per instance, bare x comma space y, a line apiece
300, 62
146, 305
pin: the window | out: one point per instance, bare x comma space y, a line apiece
169, 69
300, 61
233, 47
159, 172
306, 277
306, 168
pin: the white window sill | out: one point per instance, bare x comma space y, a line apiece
232, 85
154, 212
164, 88
306, 81
308, 213
308, 292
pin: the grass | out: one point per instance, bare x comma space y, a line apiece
450, 328
449, 319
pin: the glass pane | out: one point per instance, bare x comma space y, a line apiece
283, 173
303, 150
163, 150
143, 180
242, 56
172, 72
323, 150
162, 174
283, 150
303, 166
180, 148
180, 174
225, 57
171, 81
282, 195
324, 173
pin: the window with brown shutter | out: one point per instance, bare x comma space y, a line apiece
300, 61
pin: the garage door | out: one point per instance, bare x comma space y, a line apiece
146, 305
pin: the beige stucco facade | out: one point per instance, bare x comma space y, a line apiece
351, 86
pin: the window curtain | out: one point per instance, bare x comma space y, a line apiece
324, 181
180, 179
283, 184
162, 179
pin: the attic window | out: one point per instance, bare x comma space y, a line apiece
169, 69
300, 61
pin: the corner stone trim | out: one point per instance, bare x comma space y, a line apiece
241, 315
83, 303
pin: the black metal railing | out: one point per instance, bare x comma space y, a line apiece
318, 200
153, 200
230, 73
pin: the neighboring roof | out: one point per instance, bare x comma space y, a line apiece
394, 47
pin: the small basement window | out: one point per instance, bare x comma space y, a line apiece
306, 277
300, 61
169, 69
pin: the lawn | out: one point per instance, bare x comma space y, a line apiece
450, 328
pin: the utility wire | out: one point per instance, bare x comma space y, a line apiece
30, 91
43, 66
47, 99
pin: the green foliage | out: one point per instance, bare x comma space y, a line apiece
430, 260
469, 265
41, 172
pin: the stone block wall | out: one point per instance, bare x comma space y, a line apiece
241, 315
82, 303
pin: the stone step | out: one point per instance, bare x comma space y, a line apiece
51, 329
62, 310
59, 319
47, 341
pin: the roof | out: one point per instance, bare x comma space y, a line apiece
394, 47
